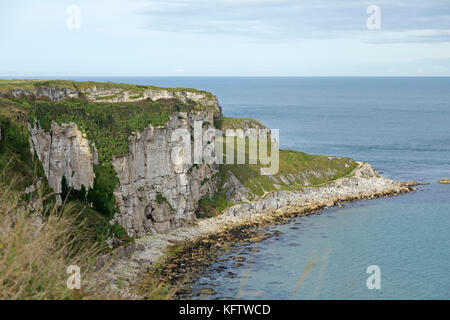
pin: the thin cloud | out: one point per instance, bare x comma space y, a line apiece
402, 21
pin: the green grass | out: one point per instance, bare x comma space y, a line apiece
224, 123
96, 227
211, 207
296, 171
16, 159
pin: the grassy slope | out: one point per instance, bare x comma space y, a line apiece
236, 123
296, 171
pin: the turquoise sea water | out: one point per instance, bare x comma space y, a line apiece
402, 127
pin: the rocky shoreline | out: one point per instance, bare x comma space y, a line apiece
184, 252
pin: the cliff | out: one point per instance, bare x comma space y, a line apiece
112, 151
101, 91
111, 146
154, 193
129, 176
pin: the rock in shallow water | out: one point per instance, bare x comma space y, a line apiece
207, 292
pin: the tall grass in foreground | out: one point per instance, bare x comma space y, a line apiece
37, 246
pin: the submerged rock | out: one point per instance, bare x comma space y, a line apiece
207, 292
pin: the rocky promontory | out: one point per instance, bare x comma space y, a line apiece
362, 183
109, 149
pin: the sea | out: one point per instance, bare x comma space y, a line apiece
400, 125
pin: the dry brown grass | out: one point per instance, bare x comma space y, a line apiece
37, 246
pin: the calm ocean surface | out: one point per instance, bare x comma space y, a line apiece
402, 127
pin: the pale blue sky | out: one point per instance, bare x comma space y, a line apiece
224, 38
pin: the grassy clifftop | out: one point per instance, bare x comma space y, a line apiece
238, 123
297, 170
34, 85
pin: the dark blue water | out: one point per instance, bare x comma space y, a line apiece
402, 127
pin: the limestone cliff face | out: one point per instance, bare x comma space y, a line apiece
155, 193
64, 152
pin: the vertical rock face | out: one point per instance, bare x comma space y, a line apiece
64, 152
155, 192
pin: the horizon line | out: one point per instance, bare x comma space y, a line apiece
38, 77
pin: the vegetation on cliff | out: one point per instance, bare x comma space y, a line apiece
16, 159
297, 170
20, 169
224, 123
106, 125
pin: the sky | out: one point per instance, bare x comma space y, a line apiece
224, 38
